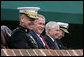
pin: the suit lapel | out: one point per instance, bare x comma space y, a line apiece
51, 44
60, 44
37, 39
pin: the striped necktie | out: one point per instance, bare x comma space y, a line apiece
45, 42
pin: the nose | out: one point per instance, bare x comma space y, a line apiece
32, 22
42, 26
58, 31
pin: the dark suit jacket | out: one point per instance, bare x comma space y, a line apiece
37, 39
61, 46
20, 39
50, 43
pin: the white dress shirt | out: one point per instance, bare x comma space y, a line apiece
51, 38
41, 39
54, 41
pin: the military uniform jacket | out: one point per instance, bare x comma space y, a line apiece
20, 39
61, 46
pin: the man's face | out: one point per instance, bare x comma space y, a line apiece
38, 26
27, 22
54, 32
61, 34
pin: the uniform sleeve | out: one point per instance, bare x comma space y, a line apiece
18, 41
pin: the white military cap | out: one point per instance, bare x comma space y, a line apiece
63, 26
30, 11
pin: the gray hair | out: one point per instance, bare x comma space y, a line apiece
39, 15
50, 25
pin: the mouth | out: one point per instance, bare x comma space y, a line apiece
60, 36
41, 30
29, 24
56, 34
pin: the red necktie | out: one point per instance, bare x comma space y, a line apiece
45, 42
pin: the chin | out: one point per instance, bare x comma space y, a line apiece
39, 32
56, 37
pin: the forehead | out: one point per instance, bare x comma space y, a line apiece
56, 26
27, 20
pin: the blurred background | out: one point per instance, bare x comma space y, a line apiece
60, 11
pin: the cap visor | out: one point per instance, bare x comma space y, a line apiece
65, 30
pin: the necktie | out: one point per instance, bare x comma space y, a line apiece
45, 42
57, 47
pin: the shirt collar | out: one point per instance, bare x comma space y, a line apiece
51, 38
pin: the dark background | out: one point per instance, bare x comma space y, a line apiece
73, 40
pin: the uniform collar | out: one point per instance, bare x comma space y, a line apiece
23, 28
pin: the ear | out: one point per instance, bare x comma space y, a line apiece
49, 31
22, 18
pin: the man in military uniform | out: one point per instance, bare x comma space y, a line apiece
20, 38
63, 30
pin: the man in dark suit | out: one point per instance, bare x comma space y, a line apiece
52, 31
54, 34
36, 31
20, 38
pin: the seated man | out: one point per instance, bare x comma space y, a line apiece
52, 31
63, 30
36, 31
19, 38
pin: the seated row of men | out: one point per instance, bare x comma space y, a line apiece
28, 34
